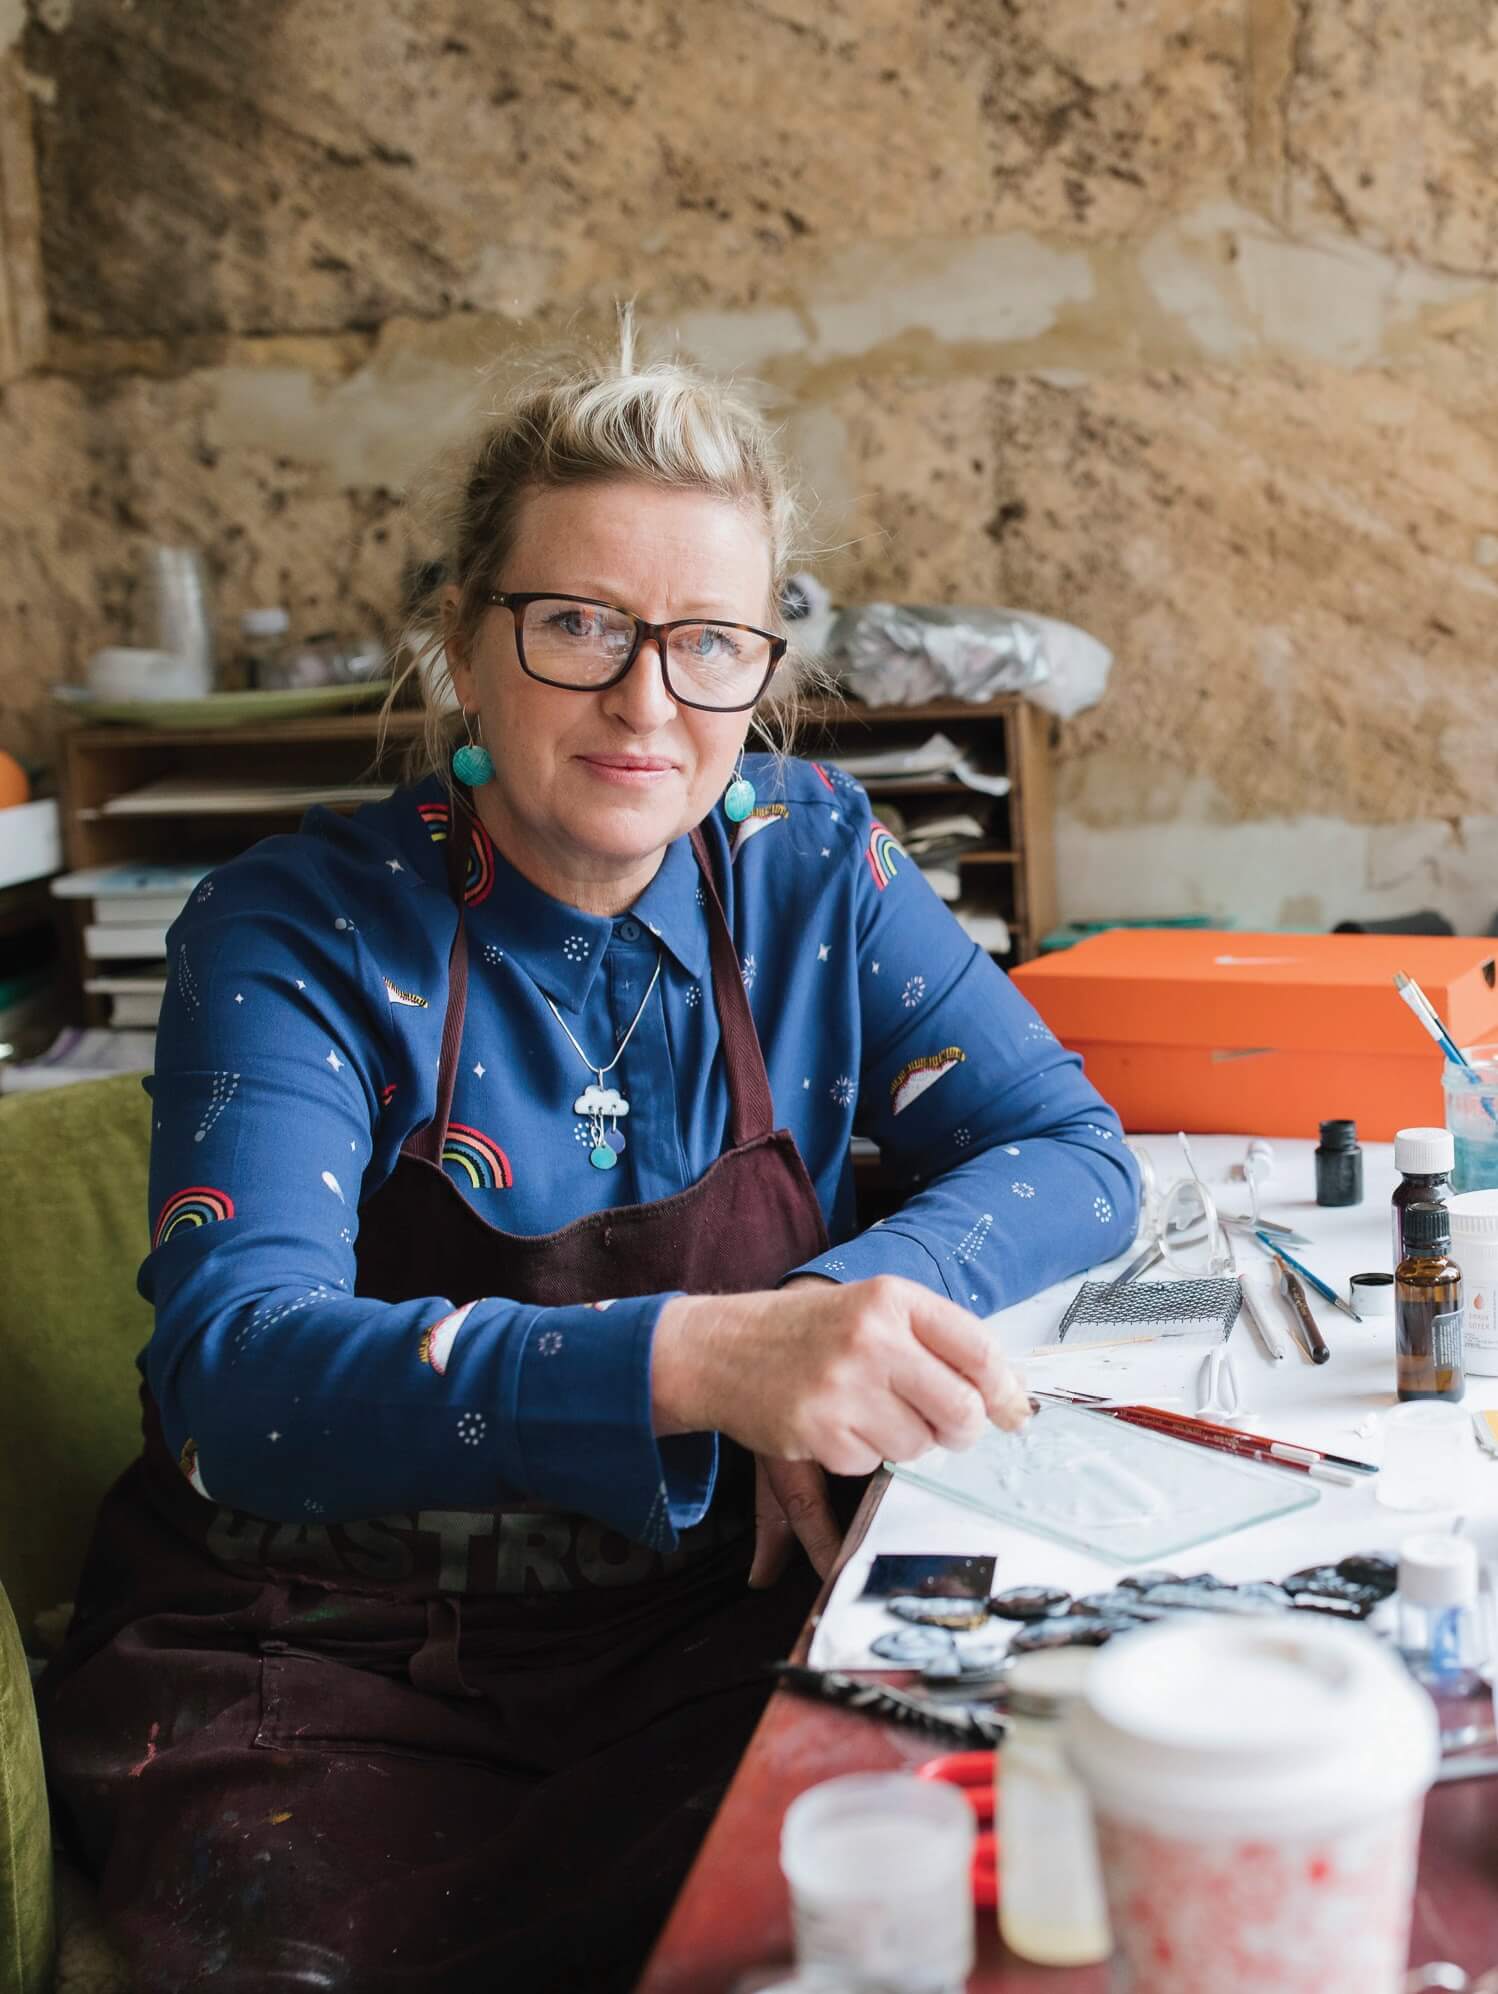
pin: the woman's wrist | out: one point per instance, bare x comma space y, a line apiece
681, 1353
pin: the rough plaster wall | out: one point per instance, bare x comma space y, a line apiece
1178, 318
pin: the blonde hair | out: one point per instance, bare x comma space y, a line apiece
587, 419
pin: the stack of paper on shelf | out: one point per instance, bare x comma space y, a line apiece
124, 944
892, 769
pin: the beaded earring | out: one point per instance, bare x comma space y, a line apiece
473, 763
738, 798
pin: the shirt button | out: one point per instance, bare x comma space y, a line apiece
628, 931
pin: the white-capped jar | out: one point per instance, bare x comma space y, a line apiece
1474, 1248
1257, 1784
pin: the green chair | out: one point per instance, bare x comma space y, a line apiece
73, 1164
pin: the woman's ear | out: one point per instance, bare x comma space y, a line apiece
459, 665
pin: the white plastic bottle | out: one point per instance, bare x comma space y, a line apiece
1474, 1248
1440, 1627
1051, 1906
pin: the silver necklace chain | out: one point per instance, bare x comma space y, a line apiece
603, 1151
602, 1070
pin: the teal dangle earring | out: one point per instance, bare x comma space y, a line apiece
472, 763
738, 798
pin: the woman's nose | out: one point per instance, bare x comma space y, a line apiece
640, 699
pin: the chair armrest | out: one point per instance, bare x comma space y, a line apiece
27, 1928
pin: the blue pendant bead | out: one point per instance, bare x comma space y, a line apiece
602, 1158
614, 1140
738, 800
473, 765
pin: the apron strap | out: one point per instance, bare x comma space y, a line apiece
427, 1142
753, 1108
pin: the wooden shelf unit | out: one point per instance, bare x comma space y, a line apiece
1013, 876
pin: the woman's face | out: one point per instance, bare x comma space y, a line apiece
591, 787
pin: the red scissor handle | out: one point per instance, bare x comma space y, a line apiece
973, 1774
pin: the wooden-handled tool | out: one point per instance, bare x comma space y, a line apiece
1317, 1348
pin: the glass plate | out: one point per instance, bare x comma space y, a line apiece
1121, 1492
222, 709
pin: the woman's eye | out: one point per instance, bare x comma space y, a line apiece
710, 643
574, 623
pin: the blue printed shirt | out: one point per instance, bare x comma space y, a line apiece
299, 1047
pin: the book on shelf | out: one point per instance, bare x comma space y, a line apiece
134, 1012
124, 894
125, 941
147, 909
128, 983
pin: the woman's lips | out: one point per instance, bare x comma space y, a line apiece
632, 769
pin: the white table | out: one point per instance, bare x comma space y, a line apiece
1338, 1405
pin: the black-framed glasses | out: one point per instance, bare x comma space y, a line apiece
582, 645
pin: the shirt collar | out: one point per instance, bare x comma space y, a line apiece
671, 910
561, 949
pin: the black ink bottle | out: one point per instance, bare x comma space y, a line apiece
1339, 1165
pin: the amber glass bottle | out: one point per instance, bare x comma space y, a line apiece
1428, 1309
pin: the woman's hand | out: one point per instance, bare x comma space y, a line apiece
846, 1375
790, 1502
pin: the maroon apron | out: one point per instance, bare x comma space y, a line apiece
440, 1750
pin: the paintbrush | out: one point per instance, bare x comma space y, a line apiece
1323, 1288
1430, 1018
1317, 1462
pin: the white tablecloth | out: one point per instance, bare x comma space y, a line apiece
1339, 1405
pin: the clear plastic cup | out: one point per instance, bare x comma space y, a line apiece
879, 1868
1257, 1789
1472, 1117
1427, 1456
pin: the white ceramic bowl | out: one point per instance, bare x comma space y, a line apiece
122, 672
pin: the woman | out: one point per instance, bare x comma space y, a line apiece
418, 1647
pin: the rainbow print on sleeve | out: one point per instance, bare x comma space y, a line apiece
199, 1204
883, 854
477, 1158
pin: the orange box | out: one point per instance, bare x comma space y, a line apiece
1239, 1034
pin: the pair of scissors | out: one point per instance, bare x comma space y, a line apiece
1218, 1397
973, 1774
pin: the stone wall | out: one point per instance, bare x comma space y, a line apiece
1176, 318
